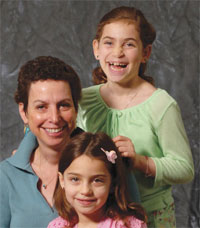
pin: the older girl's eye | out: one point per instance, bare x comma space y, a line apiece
108, 43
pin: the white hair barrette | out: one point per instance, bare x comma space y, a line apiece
111, 155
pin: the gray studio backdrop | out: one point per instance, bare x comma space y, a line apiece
65, 29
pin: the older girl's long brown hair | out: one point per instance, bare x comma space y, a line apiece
145, 29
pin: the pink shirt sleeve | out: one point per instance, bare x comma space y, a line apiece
131, 220
136, 223
58, 222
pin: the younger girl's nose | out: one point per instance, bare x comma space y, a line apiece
86, 189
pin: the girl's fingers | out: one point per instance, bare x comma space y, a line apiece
120, 138
125, 154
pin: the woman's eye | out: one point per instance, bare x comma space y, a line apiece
65, 106
40, 107
130, 45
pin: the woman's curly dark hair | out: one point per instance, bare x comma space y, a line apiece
43, 68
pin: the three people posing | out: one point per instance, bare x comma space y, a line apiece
144, 122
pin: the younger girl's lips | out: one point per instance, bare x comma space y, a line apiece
86, 201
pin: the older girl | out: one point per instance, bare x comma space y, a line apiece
144, 121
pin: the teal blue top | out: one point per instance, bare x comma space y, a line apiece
156, 130
21, 203
133, 191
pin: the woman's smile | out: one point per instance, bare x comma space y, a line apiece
51, 113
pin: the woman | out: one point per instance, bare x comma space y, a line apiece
48, 93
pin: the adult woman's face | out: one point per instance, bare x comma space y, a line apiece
50, 114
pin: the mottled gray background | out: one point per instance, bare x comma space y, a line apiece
65, 29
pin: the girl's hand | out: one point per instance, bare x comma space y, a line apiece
125, 146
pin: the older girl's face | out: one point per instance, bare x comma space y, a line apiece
50, 114
120, 51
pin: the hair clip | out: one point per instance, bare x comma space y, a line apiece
111, 155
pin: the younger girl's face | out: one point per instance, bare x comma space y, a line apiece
120, 51
87, 185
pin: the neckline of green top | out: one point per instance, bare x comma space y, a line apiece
129, 108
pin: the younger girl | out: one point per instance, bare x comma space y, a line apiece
92, 189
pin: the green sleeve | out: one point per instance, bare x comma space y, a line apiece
176, 166
79, 120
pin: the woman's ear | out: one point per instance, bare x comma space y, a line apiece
22, 113
146, 53
95, 45
61, 180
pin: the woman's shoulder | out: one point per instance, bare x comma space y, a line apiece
58, 223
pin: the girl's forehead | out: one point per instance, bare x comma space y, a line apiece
119, 30
123, 22
87, 165
119, 25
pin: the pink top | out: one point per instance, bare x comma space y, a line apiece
133, 222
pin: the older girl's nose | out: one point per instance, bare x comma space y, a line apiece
118, 51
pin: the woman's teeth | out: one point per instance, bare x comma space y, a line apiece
54, 130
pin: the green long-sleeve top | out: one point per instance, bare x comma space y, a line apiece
156, 130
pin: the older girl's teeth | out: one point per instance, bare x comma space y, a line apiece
51, 130
118, 64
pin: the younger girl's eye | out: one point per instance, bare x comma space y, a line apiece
74, 179
98, 180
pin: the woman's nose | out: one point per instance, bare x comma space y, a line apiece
54, 115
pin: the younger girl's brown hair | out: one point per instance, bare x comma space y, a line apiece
117, 205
